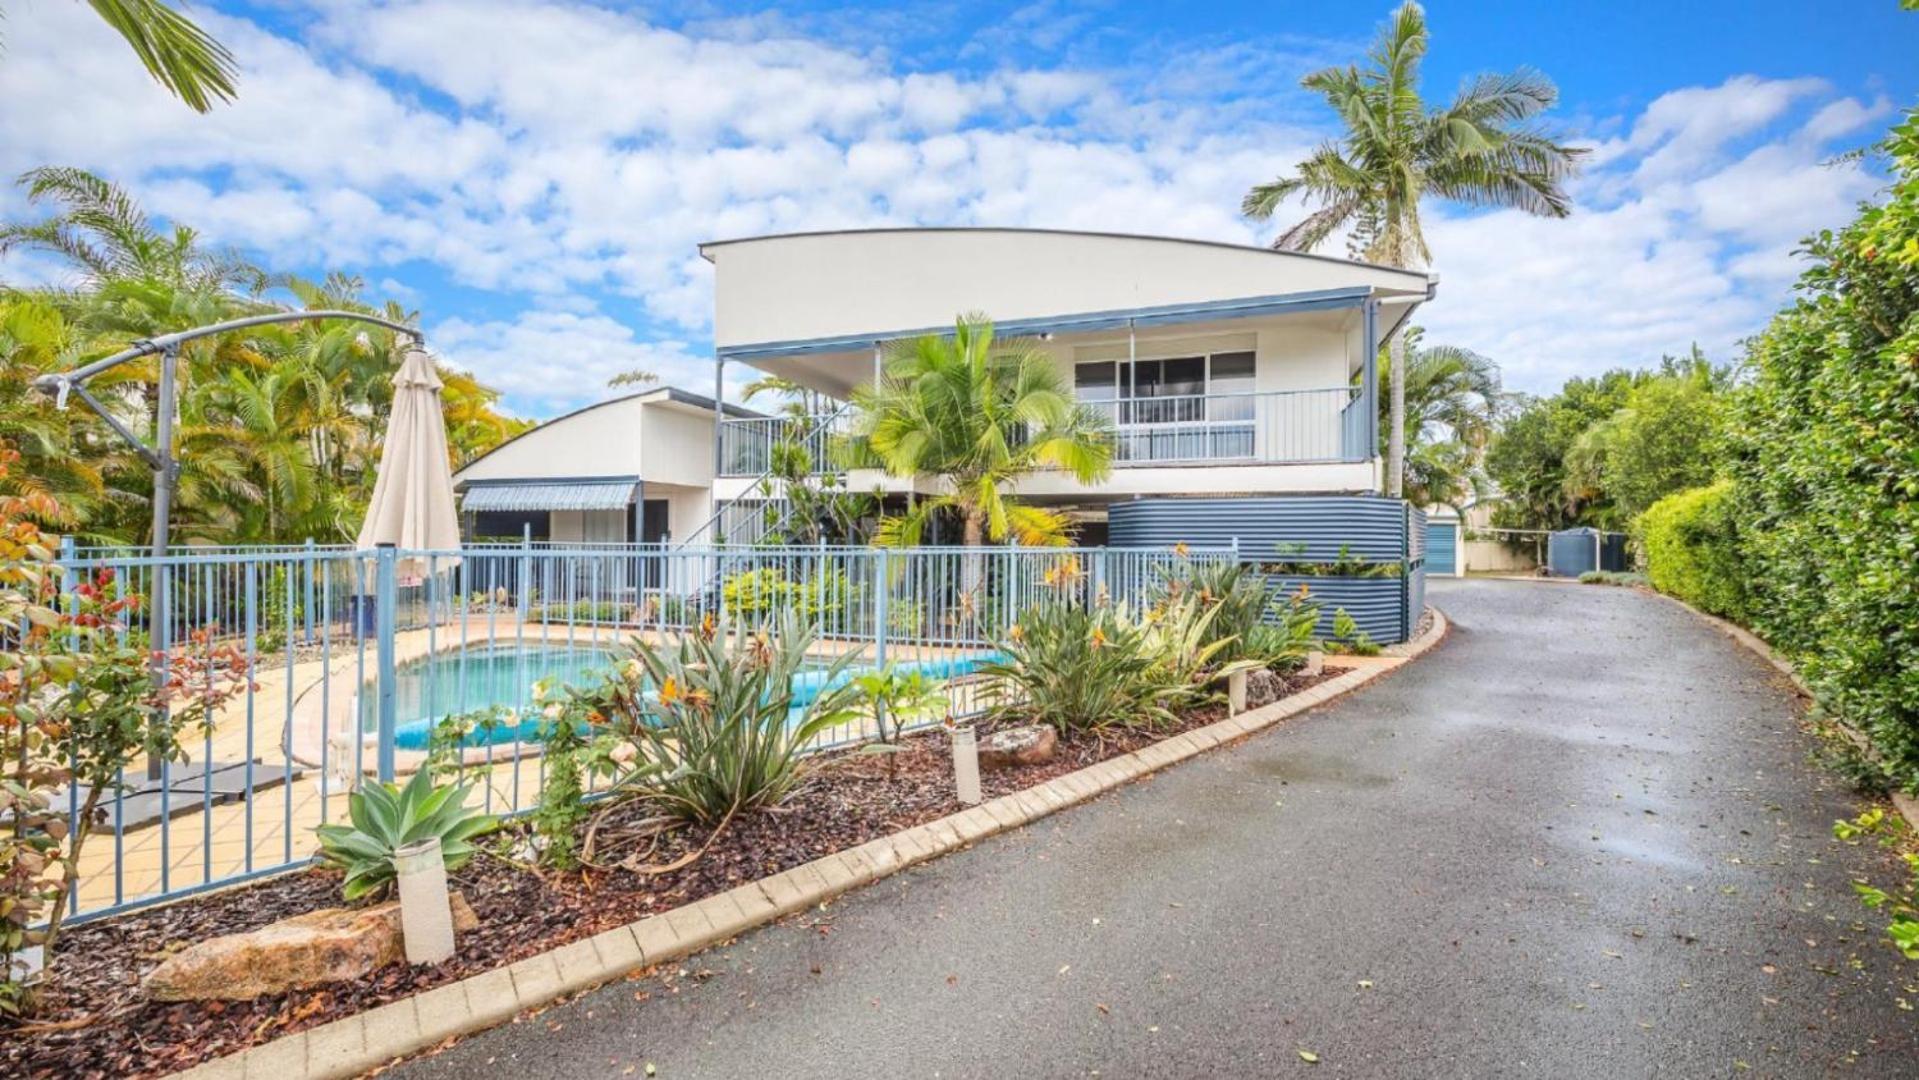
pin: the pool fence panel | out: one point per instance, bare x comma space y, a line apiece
353, 657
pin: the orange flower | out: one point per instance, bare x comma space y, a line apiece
1016, 634
1180, 549
669, 691
1098, 639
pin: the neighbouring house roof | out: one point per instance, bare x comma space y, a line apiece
608, 493
538, 434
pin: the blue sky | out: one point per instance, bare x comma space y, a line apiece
534, 175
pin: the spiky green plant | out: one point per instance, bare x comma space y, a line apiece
711, 717
387, 817
1081, 668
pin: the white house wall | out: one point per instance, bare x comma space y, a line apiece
601, 441
677, 446
829, 285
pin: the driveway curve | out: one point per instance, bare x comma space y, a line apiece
1581, 838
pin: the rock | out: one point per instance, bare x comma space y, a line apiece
1263, 687
1029, 745
320, 947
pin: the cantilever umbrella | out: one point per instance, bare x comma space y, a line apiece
412, 504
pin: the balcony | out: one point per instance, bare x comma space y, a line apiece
1272, 428
1279, 427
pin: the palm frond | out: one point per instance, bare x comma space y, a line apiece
178, 54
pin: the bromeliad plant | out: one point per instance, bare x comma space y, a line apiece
710, 719
387, 817
1085, 669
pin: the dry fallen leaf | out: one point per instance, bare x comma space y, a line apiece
1309, 1057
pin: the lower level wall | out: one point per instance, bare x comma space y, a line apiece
1301, 528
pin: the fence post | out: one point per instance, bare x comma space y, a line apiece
386, 561
1406, 617
306, 568
523, 585
881, 604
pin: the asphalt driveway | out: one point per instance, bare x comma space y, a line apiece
1580, 838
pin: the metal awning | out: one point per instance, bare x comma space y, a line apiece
558, 495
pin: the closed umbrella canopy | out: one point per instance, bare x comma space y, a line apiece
413, 497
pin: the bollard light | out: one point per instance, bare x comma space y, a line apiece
426, 912
966, 765
1236, 693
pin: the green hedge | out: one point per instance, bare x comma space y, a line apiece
1691, 542
1826, 459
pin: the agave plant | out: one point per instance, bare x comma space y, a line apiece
387, 817
715, 731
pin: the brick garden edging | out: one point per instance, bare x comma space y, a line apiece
356, 1044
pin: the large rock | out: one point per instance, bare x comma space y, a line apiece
1029, 745
320, 947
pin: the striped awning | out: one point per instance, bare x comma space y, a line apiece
561, 495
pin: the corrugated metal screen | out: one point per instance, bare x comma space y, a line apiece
1304, 528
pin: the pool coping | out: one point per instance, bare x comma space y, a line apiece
357, 1044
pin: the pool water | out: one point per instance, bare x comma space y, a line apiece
429, 690
447, 684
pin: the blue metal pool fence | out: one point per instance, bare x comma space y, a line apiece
355, 655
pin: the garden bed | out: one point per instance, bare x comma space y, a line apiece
850, 799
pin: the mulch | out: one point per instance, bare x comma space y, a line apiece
849, 799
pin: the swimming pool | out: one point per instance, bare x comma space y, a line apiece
430, 689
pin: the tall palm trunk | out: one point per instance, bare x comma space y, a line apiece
1396, 425
973, 563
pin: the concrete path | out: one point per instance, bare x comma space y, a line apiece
1579, 839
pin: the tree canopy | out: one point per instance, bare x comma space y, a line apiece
280, 426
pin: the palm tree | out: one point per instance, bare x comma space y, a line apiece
179, 55
979, 415
1453, 402
1481, 150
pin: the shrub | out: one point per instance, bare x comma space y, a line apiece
79, 705
716, 736
1826, 464
567, 719
766, 591
1691, 542
1350, 638
387, 817
1083, 668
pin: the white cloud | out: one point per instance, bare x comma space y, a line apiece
566, 159
552, 360
1686, 235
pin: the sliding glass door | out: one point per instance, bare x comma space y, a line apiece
1189, 408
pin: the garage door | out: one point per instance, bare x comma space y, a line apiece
1442, 547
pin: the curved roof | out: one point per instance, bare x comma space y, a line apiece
1019, 229
877, 284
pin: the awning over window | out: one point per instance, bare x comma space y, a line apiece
559, 495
